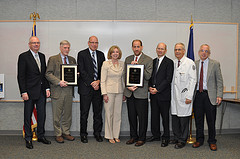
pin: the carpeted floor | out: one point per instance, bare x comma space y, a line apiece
12, 147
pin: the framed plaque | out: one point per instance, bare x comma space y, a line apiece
68, 73
134, 75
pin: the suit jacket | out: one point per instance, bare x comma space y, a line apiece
147, 61
53, 75
163, 77
86, 70
29, 77
112, 79
214, 80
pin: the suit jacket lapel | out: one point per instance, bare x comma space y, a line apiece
210, 66
197, 68
162, 64
32, 59
60, 58
141, 58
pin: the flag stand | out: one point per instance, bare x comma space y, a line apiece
34, 138
191, 139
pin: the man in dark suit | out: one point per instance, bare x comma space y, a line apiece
160, 94
34, 89
209, 93
89, 66
137, 97
61, 93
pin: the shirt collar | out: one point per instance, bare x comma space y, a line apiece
33, 53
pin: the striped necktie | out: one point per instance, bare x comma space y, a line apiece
95, 74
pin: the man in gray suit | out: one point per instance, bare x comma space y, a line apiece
209, 93
61, 93
137, 98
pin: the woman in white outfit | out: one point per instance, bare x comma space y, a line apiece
112, 86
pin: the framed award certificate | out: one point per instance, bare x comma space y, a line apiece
134, 76
68, 73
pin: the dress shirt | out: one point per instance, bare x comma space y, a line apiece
205, 69
63, 58
138, 57
34, 55
160, 61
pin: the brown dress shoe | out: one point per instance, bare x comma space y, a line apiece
196, 145
139, 143
131, 141
59, 139
213, 147
68, 137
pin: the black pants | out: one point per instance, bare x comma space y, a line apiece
202, 106
41, 116
137, 115
96, 99
159, 107
180, 126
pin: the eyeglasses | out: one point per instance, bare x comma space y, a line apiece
162, 49
206, 51
93, 42
177, 49
35, 43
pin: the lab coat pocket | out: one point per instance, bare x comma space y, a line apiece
183, 77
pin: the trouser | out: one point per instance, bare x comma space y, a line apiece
113, 111
202, 106
137, 115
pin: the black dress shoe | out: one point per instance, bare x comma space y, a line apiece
98, 138
29, 144
152, 138
173, 141
164, 143
180, 145
44, 140
84, 139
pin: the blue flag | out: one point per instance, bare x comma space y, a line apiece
34, 29
190, 52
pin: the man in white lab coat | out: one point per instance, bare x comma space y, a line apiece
183, 85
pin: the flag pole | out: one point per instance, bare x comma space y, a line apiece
190, 55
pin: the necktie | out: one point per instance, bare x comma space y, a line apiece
136, 58
38, 61
95, 74
65, 60
178, 63
201, 79
155, 74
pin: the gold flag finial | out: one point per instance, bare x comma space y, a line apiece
191, 22
34, 16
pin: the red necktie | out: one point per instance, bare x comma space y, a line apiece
136, 58
201, 79
65, 60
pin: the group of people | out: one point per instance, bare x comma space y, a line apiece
180, 85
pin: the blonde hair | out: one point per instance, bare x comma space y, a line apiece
110, 51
